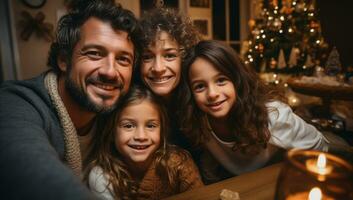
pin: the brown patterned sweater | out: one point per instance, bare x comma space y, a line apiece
151, 186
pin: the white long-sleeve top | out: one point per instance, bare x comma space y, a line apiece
287, 131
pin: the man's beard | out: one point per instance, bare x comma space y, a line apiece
84, 100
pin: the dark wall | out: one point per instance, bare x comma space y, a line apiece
337, 27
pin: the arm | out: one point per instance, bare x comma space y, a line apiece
30, 167
99, 184
290, 131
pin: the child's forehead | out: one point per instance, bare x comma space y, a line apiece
141, 104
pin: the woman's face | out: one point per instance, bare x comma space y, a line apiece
161, 65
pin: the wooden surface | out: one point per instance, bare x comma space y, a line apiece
259, 185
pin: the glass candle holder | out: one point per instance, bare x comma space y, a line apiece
309, 174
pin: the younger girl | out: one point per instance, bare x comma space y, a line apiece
131, 157
237, 118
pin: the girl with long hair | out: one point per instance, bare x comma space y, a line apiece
131, 158
238, 119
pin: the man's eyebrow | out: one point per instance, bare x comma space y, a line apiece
99, 47
92, 46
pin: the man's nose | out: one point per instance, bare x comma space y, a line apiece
108, 68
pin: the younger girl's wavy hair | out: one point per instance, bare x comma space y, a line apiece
105, 155
249, 115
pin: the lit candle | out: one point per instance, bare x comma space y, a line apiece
319, 166
314, 194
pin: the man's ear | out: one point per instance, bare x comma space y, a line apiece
62, 63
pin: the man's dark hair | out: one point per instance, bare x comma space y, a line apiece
68, 30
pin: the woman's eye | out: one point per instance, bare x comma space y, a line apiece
147, 58
170, 56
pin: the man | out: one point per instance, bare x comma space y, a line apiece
46, 123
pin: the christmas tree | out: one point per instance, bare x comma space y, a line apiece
290, 27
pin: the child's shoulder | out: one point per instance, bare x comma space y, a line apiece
178, 155
278, 110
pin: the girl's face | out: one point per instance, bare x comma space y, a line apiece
161, 65
213, 91
138, 133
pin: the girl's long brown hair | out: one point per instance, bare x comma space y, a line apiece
105, 155
249, 116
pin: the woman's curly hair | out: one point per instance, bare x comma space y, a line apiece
176, 24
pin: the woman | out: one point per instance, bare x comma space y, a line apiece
168, 35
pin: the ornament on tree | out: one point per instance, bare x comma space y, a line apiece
281, 60
293, 57
261, 48
273, 63
333, 64
277, 24
251, 24
308, 61
300, 7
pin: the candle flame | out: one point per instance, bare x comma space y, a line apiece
315, 194
321, 161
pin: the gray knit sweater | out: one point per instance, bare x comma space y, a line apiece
32, 147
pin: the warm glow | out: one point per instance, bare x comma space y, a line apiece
315, 194
321, 161
319, 165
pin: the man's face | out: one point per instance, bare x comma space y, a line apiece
101, 66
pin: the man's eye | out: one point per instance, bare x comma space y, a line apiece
93, 54
124, 61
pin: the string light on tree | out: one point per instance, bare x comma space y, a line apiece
284, 25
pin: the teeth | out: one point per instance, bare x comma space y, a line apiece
139, 147
105, 87
216, 104
160, 79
